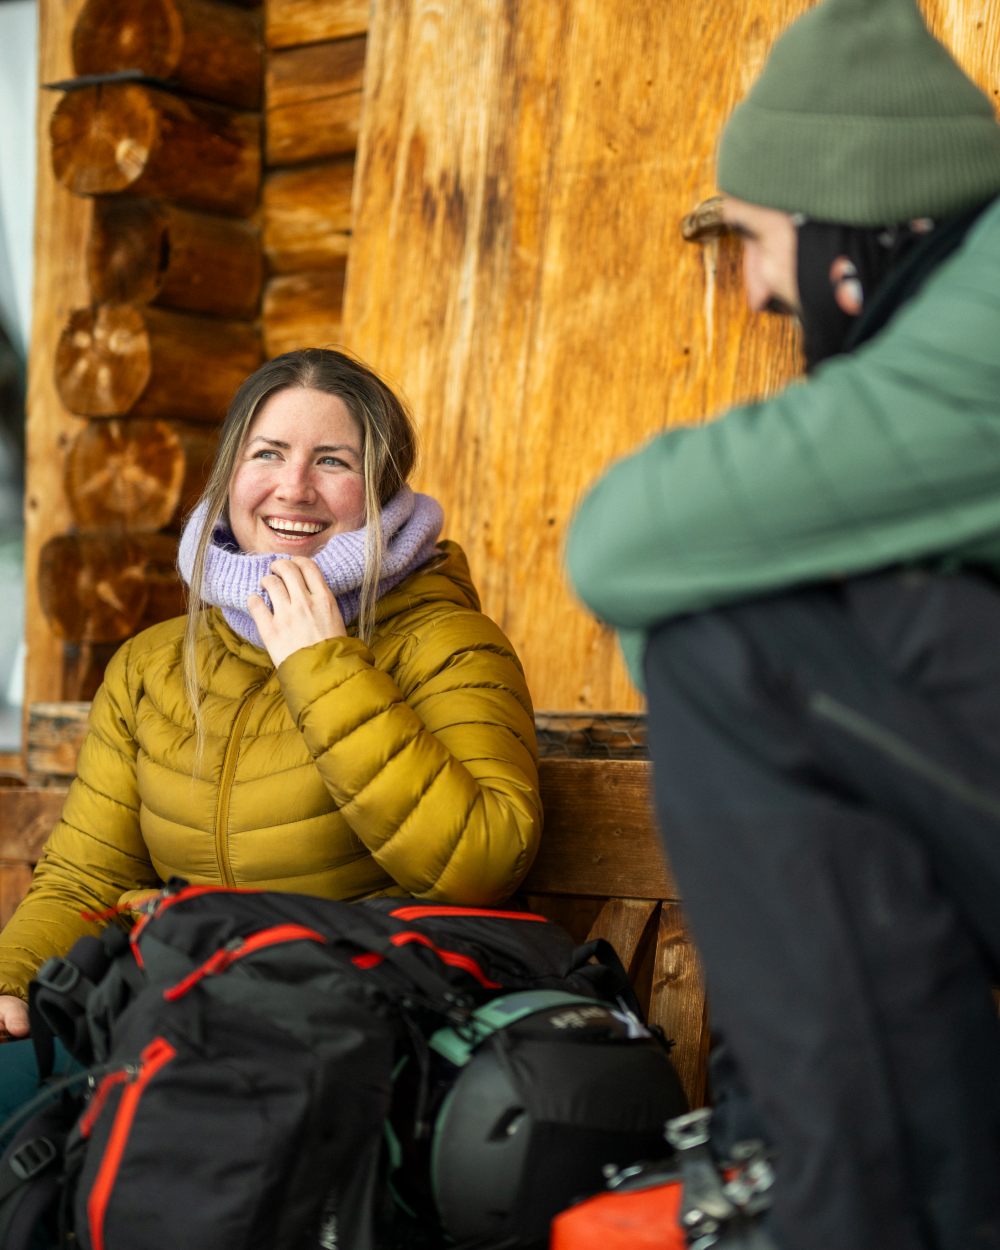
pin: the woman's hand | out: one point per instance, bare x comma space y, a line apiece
13, 1018
304, 608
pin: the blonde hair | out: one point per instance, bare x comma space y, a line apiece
388, 455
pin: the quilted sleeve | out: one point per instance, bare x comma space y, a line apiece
95, 852
433, 765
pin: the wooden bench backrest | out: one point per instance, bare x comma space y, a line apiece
600, 870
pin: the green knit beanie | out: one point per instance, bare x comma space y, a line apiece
861, 117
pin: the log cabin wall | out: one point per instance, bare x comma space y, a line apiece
516, 269
517, 265
149, 271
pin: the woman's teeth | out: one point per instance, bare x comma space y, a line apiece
294, 527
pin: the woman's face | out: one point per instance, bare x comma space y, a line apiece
298, 477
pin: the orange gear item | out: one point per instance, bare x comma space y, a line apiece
637, 1219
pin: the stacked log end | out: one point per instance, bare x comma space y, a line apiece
130, 138
313, 95
106, 586
171, 158
137, 476
140, 361
147, 252
200, 46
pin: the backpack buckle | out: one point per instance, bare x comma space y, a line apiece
705, 1206
685, 1132
32, 1157
59, 975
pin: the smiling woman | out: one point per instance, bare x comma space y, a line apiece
335, 716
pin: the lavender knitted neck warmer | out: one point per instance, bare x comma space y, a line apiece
411, 524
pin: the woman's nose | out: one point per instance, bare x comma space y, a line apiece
295, 481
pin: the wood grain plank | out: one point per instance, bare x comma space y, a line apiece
599, 836
290, 22
307, 216
27, 815
303, 310
314, 101
55, 734
62, 227
677, 1002
623, 922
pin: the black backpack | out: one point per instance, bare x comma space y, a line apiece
279, 1071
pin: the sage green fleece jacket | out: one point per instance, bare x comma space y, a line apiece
887, 456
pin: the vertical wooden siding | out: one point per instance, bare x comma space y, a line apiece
517, 267
62, 226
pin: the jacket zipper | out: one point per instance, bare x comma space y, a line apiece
239, 948
156, 1055
898, 749
225, 789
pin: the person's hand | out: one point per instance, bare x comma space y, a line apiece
304, 608
13, 1018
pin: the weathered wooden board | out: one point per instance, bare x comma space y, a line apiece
307, 216
55, 735
623, 923
601, 808
62, 226
291, 22
303, 310
313, 97
28, 817
517, 266
677, 1001
971, 29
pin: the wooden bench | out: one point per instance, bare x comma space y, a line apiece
600, 871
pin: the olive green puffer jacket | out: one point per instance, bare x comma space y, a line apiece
347, 772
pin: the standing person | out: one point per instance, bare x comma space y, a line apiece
810, 586
335, 716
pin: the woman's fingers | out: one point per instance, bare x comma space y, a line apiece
300, 574
311, 576
13, 1018
279, 589
303, 610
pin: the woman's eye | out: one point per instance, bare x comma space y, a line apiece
265, 453
333, 461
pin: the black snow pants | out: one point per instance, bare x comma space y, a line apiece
827, 778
